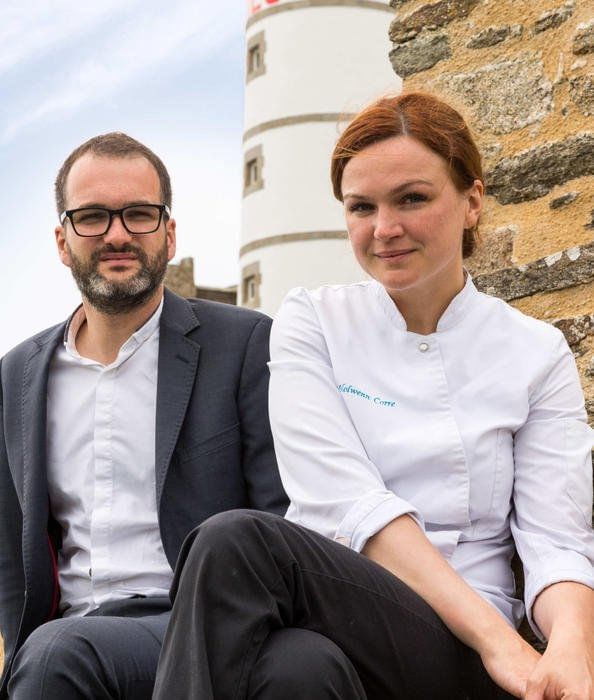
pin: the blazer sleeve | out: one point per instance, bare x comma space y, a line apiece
265, 490
552, 514
12, 585
335, 489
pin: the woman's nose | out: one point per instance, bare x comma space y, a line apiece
387, 224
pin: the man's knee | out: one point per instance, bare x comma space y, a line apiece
53, 656
298, 663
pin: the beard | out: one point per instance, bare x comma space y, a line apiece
111, 296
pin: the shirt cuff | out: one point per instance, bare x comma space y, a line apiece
369, 515
571, 567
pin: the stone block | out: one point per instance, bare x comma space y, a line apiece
581, 91
491, 150
493, 35
564, 269
420, 54
534, 172
504, 96
494, 251
554, 18
563, 200
575, 329
430, 16
583, 41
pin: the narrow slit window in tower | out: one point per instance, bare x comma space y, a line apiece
256, 48
250, 288
253, 164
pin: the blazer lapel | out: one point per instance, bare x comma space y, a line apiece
31, 483
178, 362
29, 475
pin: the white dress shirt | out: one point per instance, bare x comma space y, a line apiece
101, 471
478, 431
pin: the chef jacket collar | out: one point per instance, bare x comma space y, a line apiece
454, 313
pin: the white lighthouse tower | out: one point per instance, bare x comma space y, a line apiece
311, 64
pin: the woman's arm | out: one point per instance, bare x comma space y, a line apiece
565, 614
552, 496
402, 548
551, 527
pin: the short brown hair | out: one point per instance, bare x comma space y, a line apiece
425, 118
116, 144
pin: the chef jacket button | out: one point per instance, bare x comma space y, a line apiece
343, 540
90, 572
423, 347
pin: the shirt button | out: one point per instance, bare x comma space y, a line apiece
423, 347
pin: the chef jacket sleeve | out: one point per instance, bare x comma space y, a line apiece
333, 486
552, 516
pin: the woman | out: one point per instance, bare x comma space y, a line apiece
428, 428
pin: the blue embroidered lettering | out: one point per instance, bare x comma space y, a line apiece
350, 389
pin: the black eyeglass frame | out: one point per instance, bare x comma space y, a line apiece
164, 211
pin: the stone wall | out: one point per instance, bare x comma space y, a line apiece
523, 75
180, 278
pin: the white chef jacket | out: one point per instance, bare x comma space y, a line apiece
101, 471
478, 431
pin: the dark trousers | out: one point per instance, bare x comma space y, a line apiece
110, 654
265, 609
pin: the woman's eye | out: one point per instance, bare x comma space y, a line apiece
360, 207
413, 198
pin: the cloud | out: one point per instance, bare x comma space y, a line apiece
31, 28
117, 52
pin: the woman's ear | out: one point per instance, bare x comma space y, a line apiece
474, 197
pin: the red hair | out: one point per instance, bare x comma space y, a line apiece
425, 118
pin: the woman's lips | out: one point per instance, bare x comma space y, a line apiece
393, 254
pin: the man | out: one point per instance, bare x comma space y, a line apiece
121, 430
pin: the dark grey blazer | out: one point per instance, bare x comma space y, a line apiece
213, 449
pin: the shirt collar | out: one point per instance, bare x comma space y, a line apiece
72, 327
130, 346
453, 314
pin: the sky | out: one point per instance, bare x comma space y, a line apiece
169, 74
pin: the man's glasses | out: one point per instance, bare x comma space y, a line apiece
136, 218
